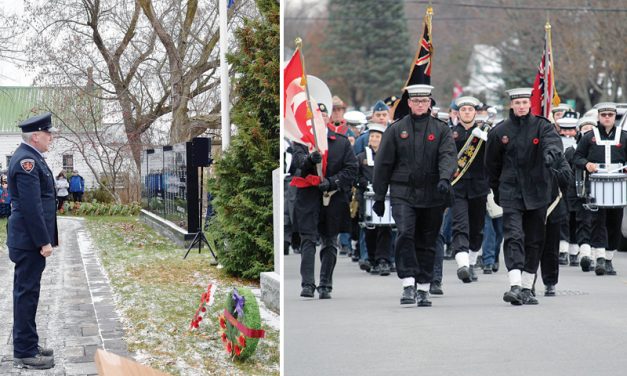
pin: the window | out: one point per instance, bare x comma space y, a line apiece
68, 162
8, 160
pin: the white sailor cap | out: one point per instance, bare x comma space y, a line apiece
520, 92
586, 120
419, 90
567, 123
467, 101
444, 116
355, 117
561, 107
376, 127
606, 107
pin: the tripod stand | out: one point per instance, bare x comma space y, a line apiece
200, 237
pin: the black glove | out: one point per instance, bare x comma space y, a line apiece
444, 187
315, 157
379, 208
325, 184
550, 158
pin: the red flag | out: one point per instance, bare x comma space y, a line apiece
544, 96
299, 121
458, 90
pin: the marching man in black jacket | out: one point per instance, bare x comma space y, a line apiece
519, 153
416, 160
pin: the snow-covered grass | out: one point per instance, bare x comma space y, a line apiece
157, 294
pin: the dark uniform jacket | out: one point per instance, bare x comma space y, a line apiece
515, 157
589, 151
474, 182
415, 153
310, 216
33, 220
562, 179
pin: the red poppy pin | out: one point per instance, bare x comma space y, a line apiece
619, 145
536, 141
431, 137
404, 135
27, 165
505, 140
455, 135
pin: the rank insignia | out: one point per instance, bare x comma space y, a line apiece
27, 165
404, 135
505, 140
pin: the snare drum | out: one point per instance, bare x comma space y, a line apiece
370, 218
608, 190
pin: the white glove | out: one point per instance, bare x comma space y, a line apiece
479, 133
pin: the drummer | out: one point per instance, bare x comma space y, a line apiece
606, 222
379, 238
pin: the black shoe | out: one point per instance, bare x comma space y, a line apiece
473, 275
448, 253
436, 288
563, 258
365, 265
549, 290
409, 295
463, 274
296, 250
36, 362
585, 263
609, 268
44, 351
573, 260
487, 269
324, 293
479, 263
423, 299
495, 266
600, 268
513, 296
355, 257
376, 270
393, 267
527, 297
384, 268
307, 291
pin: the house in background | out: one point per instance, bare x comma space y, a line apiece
19, 103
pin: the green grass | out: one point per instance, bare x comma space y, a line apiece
158, 293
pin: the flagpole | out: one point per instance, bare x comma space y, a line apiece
299, 46
224, 77
547, 69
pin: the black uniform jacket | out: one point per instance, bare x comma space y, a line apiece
562, 179
415, 153
474, 182
515, 154
589, 151
33, 220
310, 216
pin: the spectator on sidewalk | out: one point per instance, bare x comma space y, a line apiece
77, 186
5, 198
62, 186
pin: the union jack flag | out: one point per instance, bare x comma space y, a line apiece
544, 95
420, 72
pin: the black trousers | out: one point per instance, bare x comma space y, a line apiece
379, 243
584, 225
418, 230
523, 231
468, 218
29, 266
606, 228
549, 260
328, 258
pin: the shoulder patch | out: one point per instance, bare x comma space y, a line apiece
27, 164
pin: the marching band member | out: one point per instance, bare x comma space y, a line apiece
606, 222
559, 111
470, 187
519, 152
416, 160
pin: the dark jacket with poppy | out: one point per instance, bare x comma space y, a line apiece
589, 151
515, 157
474, 182
310, 216
33, 220
415, 153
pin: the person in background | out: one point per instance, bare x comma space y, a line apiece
77, 186
62, 185
5, 198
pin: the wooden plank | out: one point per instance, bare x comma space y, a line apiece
110, 364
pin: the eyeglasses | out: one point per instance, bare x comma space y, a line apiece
607, 114
420, 101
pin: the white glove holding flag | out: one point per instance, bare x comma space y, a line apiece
480, 134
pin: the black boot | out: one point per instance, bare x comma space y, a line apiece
324, 292
487, 269
563, 260
513, 296
549, 290
307, 291
473, 275
527, 297
409, 295
573, 260
365, 265
384, 268
423, 299
600, 268
585, 263
436, 288
495, 266
376, 270
609, 268
463, 274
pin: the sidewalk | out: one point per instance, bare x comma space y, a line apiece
76, 312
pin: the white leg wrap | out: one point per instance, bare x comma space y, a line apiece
609, 255
600, 253
462, 259
563, 246
573, 249
423, 286
584, 250
527, 280
409, 281
472, 257
514, 277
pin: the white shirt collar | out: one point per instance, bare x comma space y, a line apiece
32, 147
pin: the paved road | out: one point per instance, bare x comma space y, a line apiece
76, 313
363, 330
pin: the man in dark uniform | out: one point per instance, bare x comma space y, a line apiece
322, 211
519, 153
606, 222
416, 160
471, 190
32, 232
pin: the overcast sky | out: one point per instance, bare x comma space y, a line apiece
10, 74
